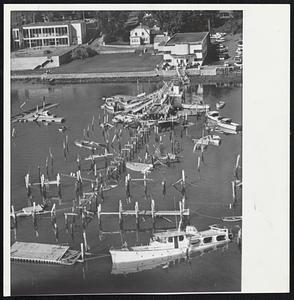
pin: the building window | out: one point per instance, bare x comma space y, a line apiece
142, 33
49, 42
48, 31
61, 31
136, 33
62, 41
26, 43
36, 43
25, 33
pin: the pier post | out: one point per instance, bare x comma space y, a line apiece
198, 163
66, 144
99, 214
234, 190
183, 201
183, 182
85, 240
163, 188
64, 149
153, 211
58, 185
82, 252
53, 215
137, 213
66, 220
14, 217
47, 168
145, 185
181, 211
120, 210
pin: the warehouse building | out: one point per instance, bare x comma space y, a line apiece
185, 49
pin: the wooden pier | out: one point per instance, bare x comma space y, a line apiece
43, 253
137, 213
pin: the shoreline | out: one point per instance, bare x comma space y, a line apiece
152, 76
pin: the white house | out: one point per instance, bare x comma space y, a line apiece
140, 35
184, 49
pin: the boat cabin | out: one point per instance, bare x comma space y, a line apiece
173, 237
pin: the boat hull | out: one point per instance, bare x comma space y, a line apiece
129, 256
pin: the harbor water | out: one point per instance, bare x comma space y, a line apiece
208, 194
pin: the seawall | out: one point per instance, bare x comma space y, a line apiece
197, 77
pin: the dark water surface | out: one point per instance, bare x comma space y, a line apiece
208, 193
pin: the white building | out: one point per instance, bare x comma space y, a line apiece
140, 35
49, 34
184, 49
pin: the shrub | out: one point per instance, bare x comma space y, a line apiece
82, 52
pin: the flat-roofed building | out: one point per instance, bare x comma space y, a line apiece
182, 49
49, 34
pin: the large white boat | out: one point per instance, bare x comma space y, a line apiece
222, 122
172, 243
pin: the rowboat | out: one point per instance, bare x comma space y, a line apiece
89, 144
222, 122
139, 167
232, 219
172, 243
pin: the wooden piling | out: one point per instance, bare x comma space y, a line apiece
82, 252
153, 211
137, 213
120, 210
99, 214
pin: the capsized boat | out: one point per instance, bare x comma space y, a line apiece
222, 122
172, 243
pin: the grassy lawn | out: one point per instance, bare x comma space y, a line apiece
105, 63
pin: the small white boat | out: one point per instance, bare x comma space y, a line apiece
199, 107
222, 122
139, 167
172, 243
28, 211
232, 219
89, 144
97, 156
220, 104
211, 139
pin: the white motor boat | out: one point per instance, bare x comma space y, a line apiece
222, 122
172, 243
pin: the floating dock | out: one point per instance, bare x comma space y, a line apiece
43, 253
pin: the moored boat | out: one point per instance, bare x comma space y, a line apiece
222, 122
172, 243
